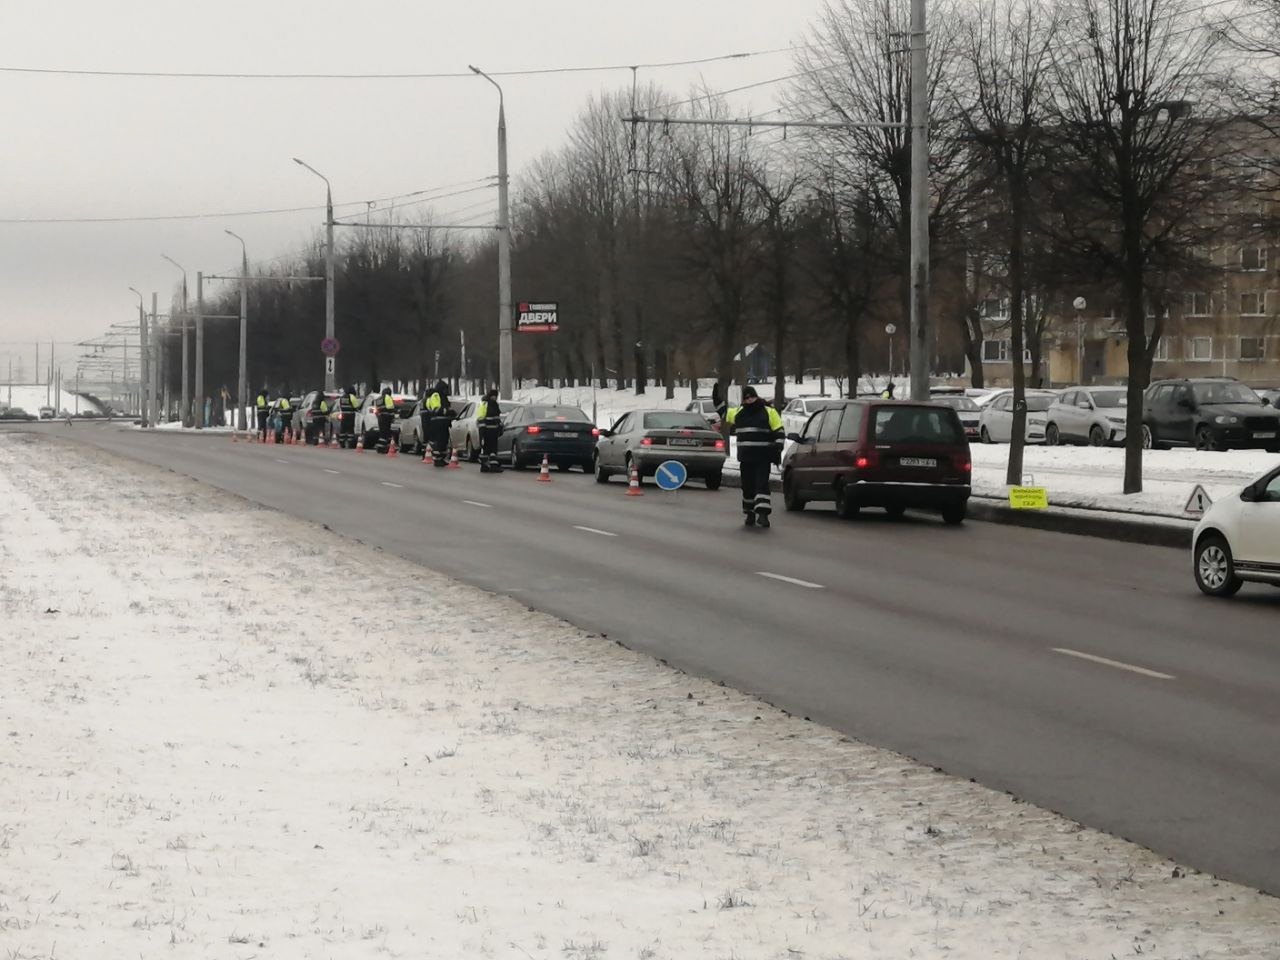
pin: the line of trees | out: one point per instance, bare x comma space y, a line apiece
1080, 146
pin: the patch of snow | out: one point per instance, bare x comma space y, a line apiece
206, 756
31, 397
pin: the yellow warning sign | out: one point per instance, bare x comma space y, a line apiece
1029, 498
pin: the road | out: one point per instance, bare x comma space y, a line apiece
1085, 676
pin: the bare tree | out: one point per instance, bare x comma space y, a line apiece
776, 187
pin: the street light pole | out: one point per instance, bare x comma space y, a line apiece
155, 349
921, 342
199, 397
330, 374
143, 387
186, 395
504, 249
242, 392
1079, 303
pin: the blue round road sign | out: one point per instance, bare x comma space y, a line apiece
329, 346
671, 475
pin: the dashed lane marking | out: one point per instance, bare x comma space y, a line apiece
388, 483
598, 533
477, 503
1107, 662
278, 460
792, 580
336, 472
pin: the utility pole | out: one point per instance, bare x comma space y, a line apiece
330, 375
505, 318
155, 340
242, 390
921, 342
186, 395
199, 398
144, 359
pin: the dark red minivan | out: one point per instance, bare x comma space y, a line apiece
893, 454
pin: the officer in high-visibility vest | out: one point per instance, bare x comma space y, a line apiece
321, 429
758, 428
887, 393
348, 404
489, 416
436, 416
386, 416
262, 407
282, 413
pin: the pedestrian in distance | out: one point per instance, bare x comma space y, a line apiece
262, 407
489, 416
758, 428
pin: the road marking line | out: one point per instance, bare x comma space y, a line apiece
387, 483
1114, 663
337, 472
600, 533
477, 503
792, 580
278, 460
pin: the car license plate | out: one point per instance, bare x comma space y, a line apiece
685, 442
917, 462
564, 435
1265, 436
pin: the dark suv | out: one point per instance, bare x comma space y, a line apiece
880, 453
1210, 414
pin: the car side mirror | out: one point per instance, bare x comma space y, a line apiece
1248, 495
796, 438
606, 433
1266, 401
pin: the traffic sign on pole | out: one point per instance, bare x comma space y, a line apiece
328, 365
671, 475
1198, 502
329, 346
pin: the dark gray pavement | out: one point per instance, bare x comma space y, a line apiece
969, 649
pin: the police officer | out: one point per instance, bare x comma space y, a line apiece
323, 428
262, 407
386, 416
348, 404
436, 416
489, 416
887, 394
760, 435
283, 415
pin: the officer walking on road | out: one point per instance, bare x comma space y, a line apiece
436, 415
489, 416
262, 406
760, 435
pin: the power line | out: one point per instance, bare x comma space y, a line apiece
531, 72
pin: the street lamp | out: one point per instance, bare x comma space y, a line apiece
144, 353
329, 373
890, 329
1079, 303
242, 392
504, 248
186, 396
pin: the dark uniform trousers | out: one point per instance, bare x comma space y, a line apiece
755, 487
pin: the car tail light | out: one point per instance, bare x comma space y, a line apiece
533, 429
719, 444
964, 464
595, 431
865, 459
646, 441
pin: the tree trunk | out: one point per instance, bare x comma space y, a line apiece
1017, 280
852, 359
1139, 373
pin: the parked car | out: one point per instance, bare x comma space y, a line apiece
705, 406
970, 413
15, 413
308, 421
797, 413
47, 413
1092, 415
367, 417
464, 432
893, 454
647, 438
565, 435
996, 424
1238, 539
1210, 413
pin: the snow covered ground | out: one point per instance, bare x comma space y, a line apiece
31, 398
199, 763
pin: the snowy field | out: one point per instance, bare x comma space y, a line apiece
199, 763
31, 398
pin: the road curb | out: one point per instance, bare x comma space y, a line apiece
1079, 522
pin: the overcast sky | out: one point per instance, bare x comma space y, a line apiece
76, 146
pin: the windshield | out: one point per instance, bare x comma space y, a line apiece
1225, 392
957, 403
557, 413
1110, 398
1039, 404
674, 421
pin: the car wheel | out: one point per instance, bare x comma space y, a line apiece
516, 462
1051, 435
895, 511
1096, 437
954, 513
602, 475
985, 436
1205, 439
846, 506
714, 481
790, 498
1215, 569
1149, 439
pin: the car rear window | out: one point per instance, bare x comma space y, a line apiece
676, 420
917, 425
557, 413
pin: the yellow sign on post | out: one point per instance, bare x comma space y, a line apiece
1029, 498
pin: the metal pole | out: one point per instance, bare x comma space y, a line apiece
462, 340
199, 397
505, 318
143, 358
330, 372
919, 267
155, 322
185, 413
242, 391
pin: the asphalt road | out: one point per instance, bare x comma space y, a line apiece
973, 649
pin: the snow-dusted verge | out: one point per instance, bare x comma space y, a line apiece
31, 397
199, 762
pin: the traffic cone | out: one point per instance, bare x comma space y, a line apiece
453, 461
544, 475
360, 443
633, 485
391, 449
426, 453
235, 437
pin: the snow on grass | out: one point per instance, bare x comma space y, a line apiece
208, 752
31, 398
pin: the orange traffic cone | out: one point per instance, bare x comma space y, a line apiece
235, 437
391, 450
633, 485
453, 461
360, 443
544, 475
426, 453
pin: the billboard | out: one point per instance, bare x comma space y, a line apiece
537, 317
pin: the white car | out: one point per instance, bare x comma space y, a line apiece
1238, 539
1092, 415
366, 424
797, 413
996, 424
464, 432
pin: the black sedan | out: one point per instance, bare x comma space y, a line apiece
565, 435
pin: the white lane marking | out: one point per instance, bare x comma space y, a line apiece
388, 483
599, 533
792, 580
337, 472
278, 460
477, 503
1113, 663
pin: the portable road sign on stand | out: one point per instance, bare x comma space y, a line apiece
671, 475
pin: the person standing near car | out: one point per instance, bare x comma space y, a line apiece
386, 415
436, 414
489, 416
263, 409
759, 431
348, 404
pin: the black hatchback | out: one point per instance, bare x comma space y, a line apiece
1209, 414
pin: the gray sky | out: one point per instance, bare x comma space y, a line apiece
106, 146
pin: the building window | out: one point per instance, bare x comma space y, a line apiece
1253, 303
1253, 348
1111, 314
995, 308
1197, 305
1200, 348
1253, 258
1162, 349
995, 351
